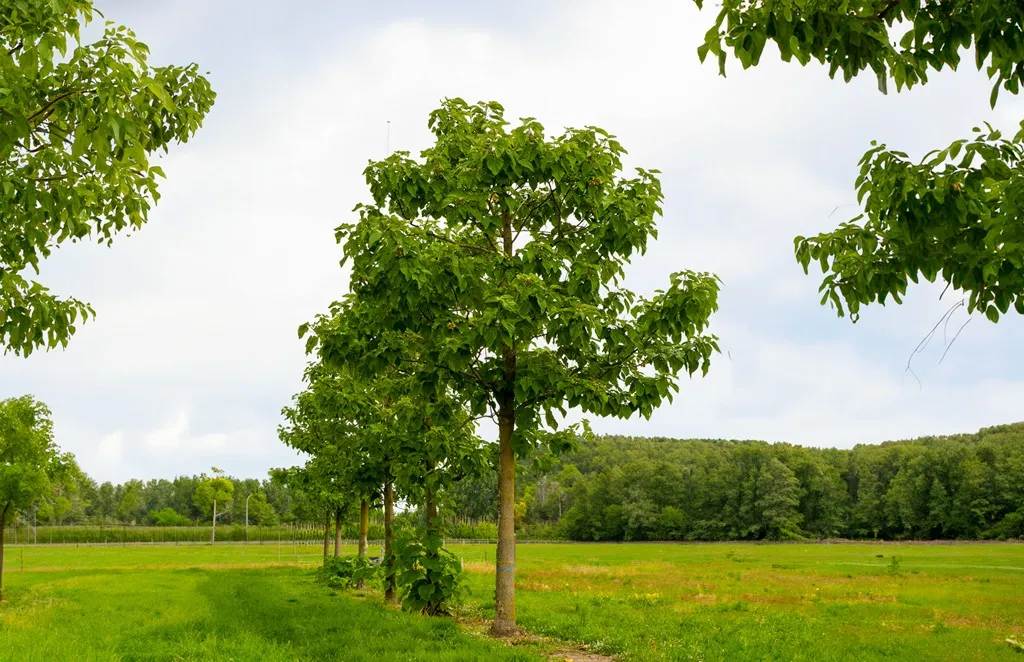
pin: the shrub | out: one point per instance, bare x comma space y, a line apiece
485, 531
168, 517
430, 577
348, 571
538, 531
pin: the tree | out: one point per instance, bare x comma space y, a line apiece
260, 511
398, 432
210, 491
491, 266
319, 424
28, 457
78, 125
956, 213
105, 505
778, 495
131, 501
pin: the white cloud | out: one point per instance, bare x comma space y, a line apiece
169, 438
110, 448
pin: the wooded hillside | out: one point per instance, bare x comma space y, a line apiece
634, 488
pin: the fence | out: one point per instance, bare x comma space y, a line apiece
126, 534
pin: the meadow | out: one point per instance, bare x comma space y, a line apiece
730, 601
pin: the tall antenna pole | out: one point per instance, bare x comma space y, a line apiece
387, 142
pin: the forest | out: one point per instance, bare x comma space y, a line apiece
614, 488
968, 486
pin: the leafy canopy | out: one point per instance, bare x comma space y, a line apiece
954, 214
28, 455
315, 425
493, 264
217, 488
391, 426
78, 124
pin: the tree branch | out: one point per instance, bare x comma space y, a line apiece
434, 235
880, 15
49, 104
889, 6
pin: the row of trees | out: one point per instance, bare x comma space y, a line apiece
629, 488
72, 497
485, 283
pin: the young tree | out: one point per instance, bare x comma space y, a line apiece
260, 511
315, 424
211, 491
492, 267
391, 436
78, 124
955, 214
28, 457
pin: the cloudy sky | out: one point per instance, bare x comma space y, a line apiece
194, 351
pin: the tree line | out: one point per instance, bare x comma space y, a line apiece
76, 498
968, 486
618, 488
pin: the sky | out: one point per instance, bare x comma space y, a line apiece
194, 350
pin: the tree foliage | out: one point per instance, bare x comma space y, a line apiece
28, 458
952, 215
431, 577
216, 489
79, 123
502, 240
316, 426
28, 455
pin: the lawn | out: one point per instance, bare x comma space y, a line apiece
632, 601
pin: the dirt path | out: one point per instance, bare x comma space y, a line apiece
562, 652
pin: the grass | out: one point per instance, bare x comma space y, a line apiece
633, 601
129, 604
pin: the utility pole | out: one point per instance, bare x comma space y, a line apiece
247, 518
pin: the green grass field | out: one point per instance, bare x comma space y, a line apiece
630, 601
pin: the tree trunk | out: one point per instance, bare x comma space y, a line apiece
327, 533
213, 529
505, 560
3, 528
430, 503
364, 530
505, 588
337, 531
364, 526
390, 580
